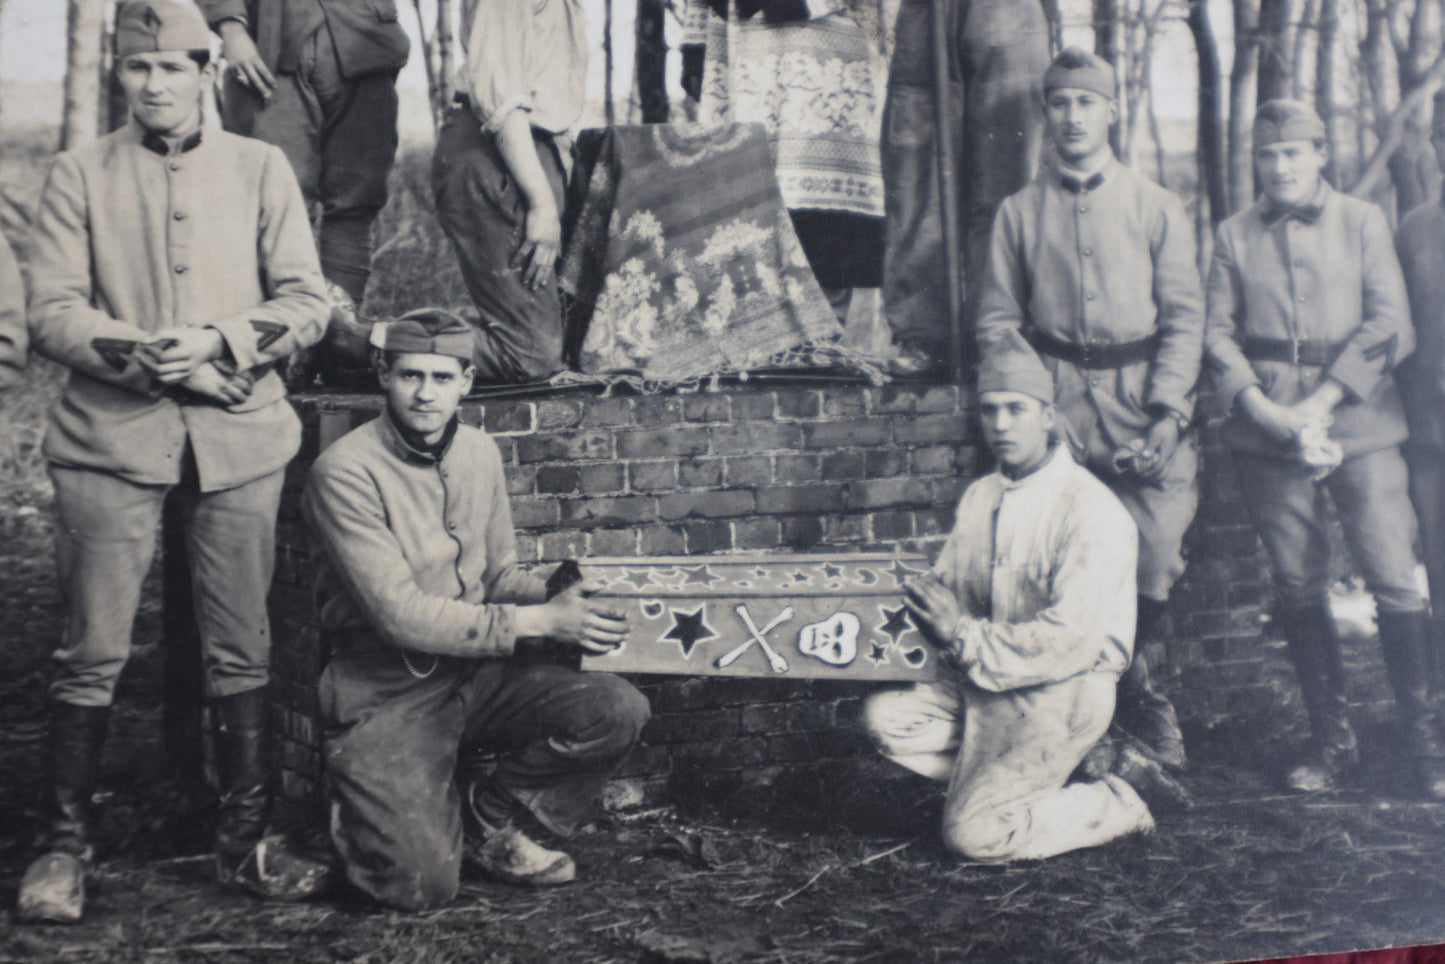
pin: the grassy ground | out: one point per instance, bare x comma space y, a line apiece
840, 865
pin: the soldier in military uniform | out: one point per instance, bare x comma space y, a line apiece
1091, 268
1308, 317
317, 78
170, 302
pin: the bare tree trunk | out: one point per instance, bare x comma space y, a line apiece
1396, 130
1106, 45
609, 108
1297, 59
1156, 133
1055, 19
85, 29
1211, 111
446, 59
1242, 78
1274, 50
1325, 84
429, 59
651, 61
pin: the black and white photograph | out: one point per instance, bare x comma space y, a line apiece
722, 481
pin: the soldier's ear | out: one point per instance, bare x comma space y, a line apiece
1113, 112
469, 374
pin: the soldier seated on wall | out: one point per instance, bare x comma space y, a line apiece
430, 621
1032, 598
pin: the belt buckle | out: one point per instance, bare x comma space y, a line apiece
1294, 352
1086, 354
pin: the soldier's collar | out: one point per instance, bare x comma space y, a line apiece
1308, 212
409, 447
1075, 184
156, 144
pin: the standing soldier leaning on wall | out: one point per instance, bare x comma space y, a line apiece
1421, 246
1308, 316
317, 78
171, 268
1091, 267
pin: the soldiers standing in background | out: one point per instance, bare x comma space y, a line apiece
317, 78
14, 336
997, 49
1308, 316
1092, 268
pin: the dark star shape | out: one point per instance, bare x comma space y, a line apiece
831, 571
689, 629
900, 572
698, 576
802, 577
878, 654
896, 623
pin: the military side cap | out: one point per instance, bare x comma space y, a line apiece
1286, 120
426, 331
1076, 67
1019, 371
146, 26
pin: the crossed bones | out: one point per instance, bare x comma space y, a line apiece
775, 662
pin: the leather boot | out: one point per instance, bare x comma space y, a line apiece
1314, 649
53, 888
1144, 711
1404, 638
239, 723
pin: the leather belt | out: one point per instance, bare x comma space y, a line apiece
1295, 351
1093, 354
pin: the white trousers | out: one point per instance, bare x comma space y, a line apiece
1006, 757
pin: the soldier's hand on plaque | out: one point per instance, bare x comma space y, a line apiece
933, 607
578, 618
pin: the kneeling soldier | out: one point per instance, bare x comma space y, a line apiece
1307, 318
1033, 598
430, 620
172, 266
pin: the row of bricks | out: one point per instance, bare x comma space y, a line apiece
506, 416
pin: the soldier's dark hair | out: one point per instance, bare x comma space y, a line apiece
1073, 58
201, 57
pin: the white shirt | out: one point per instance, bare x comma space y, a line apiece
1043, 570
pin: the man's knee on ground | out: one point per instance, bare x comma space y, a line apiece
988, 835
622, 712
888, 717
418, 871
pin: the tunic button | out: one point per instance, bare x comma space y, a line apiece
1088, 252
1094, 381
174, 166
1302, 299
1088, 296
181, 269
179, 216
452, 526
1083, 209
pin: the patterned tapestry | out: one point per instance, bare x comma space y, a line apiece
682, 262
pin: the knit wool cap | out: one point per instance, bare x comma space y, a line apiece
1017, 372
426, 331
1076, 67
148, 26
1286, 120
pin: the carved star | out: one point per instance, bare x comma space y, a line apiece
636, 578
699, 576
900, 572
831, 571
895, 625
878, 654
689, 629
802, 577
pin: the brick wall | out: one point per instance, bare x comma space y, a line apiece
838, 467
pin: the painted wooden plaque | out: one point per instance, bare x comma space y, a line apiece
827, 616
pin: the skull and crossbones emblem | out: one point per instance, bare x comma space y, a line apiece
759, 637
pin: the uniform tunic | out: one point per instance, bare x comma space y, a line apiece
1107, 263
1043, 571
14, 336
417, 584
129, 240
1327, 273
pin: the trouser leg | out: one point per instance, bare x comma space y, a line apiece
239, 726
559, 733
1144, 710
1404, 642
1427, 493
918, 728
391, 743
1008, 800
105, 540
519, 333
